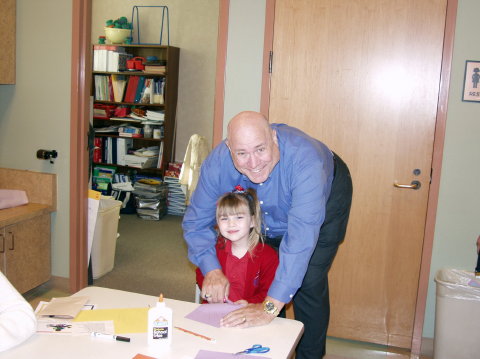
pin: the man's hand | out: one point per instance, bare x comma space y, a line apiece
252, 315
215, 287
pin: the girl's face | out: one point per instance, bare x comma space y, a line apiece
236, 226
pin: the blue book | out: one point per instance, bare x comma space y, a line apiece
141, 85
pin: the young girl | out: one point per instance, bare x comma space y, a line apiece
246, 261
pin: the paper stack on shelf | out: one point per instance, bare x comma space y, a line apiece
143, 158
157, 116
176, 197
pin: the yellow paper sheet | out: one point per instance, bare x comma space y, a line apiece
126, 320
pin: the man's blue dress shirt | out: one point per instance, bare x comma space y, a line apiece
292, 201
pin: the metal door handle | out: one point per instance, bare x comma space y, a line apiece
413, 185
12, 241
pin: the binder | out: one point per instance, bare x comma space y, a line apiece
141, 85
131, 89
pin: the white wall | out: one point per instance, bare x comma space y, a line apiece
35, 112
243, 74
458, 216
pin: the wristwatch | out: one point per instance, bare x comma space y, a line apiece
269, 307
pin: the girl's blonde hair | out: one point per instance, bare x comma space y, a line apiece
235, 202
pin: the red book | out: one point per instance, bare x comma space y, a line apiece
110, 89
97, 150
131, 89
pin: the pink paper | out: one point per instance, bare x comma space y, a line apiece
12, 198
212, 313
207, 354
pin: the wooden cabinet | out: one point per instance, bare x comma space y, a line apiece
7, 39
111, 101
25, 252
25, 230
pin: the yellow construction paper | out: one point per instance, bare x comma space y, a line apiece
126, 320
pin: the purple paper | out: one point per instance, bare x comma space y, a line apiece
207, 354
212, 313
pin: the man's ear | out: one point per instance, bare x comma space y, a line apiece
274, 137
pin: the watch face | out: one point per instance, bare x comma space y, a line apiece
269, 307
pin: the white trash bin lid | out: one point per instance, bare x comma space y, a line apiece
458, 284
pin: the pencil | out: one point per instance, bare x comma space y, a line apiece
196, 334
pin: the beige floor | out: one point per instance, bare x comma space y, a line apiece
336, 348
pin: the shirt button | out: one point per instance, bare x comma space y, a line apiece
261, 184
267, 229
261, 202
266, 212
291, 295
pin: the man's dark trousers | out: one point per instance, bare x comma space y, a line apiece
311, 302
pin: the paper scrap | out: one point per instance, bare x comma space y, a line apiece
65, 326
142, 356
212, 313
64, 307
126, 320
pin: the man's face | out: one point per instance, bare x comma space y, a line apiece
254, 152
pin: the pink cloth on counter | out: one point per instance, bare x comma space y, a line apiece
12, 198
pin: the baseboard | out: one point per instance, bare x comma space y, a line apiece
60, 283
427, 347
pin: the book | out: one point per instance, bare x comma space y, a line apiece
131, 89
97, 150
146, 95
119, 83
141, 84
156, 69
123, 145
113, 58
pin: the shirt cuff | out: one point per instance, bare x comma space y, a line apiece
281, 292
209, 263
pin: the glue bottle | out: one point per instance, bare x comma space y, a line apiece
159, 324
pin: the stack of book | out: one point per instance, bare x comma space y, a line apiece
102, 179
111, 150
150, 197
155, 69
109, 58
129, 131
176, 195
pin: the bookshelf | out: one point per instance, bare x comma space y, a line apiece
118, 94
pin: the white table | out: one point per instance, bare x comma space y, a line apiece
281, 335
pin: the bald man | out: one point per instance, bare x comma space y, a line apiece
305, 193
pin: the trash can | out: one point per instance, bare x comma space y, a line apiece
105, 236
457, 315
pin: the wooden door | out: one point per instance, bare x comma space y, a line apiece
363, 77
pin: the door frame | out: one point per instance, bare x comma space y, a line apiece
79, 123
438, 145
79, 120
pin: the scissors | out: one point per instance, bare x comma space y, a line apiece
255, 349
